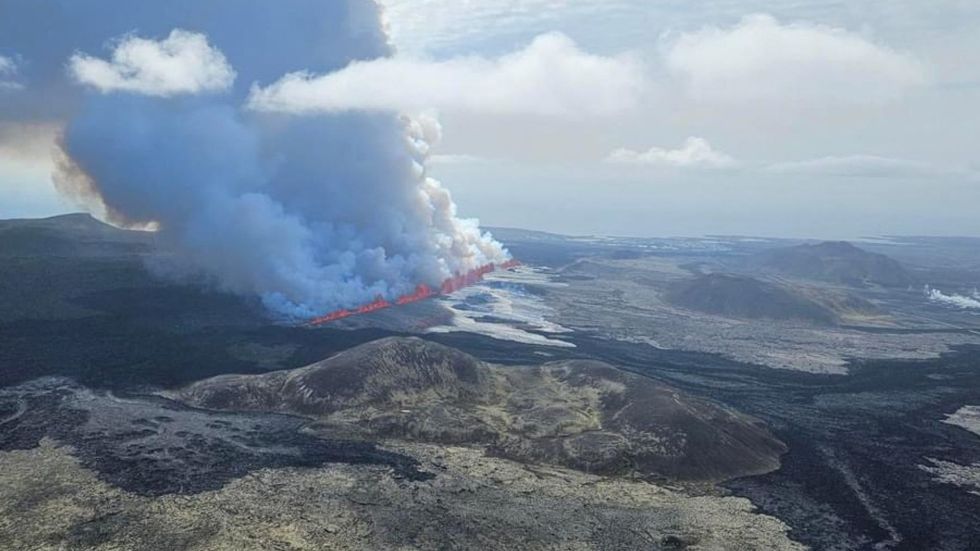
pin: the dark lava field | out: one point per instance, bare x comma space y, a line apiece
851, 479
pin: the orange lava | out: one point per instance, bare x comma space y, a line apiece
422, 292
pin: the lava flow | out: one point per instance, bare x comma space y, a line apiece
422, 292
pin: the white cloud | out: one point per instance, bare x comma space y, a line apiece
7, 67
695, 153
866, 166
761, 59
432, 25
456, 159
550, 77
182, 63
8, 74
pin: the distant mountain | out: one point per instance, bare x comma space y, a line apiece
74, 266
69, 235
580, 414
838, 262
744, 297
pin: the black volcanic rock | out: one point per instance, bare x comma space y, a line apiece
154, 447
838, 262
580, 414
744, 297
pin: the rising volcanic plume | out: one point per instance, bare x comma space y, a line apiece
308, 213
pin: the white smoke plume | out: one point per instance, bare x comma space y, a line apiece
964, 302
307, 213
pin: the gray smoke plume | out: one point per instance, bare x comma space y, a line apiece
308, 213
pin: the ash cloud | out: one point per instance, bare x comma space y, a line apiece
307, 213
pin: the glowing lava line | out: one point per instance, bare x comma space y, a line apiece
422, 292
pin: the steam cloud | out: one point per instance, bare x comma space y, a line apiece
971, 302
309, 213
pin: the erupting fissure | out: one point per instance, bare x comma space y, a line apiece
422, 292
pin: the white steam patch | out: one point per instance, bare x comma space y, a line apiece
695, 153
550, 77
182, 63
503, 309
964, 302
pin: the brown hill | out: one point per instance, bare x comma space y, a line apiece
838, 262
580, 414
744, 297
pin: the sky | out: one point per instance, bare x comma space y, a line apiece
796, 118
